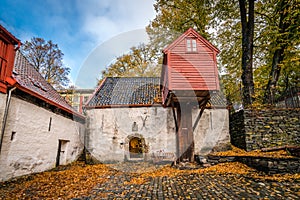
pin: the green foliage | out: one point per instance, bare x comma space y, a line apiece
139, 62
282, 22
220, 22
175, 17
267, 39
47, 58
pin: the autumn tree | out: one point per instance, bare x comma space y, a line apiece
228, 38
47, 58
284, 48
139, 61
173, 17
228, 27
247, 23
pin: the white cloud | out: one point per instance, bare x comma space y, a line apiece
104, 19
105, 53
111, 28
79, 27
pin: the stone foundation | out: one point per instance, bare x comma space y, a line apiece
256, 129
267, 165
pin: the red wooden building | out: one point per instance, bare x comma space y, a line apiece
189, 73
189, 68
7, 56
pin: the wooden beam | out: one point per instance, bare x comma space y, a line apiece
174, 116
200, 114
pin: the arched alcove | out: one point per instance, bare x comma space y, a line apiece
135, 147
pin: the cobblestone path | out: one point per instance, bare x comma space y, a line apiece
194, 186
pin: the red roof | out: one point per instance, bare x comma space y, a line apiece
189, 32
8, 37
31, 81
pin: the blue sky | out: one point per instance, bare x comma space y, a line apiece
91, 33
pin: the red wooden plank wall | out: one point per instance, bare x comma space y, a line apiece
192, 70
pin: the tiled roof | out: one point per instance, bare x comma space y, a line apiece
32, 81
136, 91
126, 91
217, 99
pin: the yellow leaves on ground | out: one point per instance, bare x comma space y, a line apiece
78, 179
135, 180
75, 181
240, 152
233, 168
227, 168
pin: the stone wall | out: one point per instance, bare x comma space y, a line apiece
265, 164
31, 140
237, 129
273, 165
256, 129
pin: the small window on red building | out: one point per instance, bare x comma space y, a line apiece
191, 45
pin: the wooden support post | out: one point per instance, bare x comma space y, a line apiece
185, 137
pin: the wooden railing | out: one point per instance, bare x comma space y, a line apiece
160, 156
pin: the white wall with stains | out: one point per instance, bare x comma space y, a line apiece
109, 131
2, 107
30, 142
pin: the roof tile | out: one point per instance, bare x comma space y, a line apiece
136, 91
126, 91
27, 77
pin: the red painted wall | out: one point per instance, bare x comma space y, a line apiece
192, 70
189, 70
7, 56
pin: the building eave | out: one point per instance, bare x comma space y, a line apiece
8, 37
122, 106
197, 35
34, 94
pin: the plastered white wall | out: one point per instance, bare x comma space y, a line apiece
212, 130
2, 107
33, 147
109, 129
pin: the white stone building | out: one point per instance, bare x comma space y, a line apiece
39, 129
174, 117
126, 121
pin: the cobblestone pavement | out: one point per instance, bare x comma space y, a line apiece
194, 186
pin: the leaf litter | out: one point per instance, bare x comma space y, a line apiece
78, 178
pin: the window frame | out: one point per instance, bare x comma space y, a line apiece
191, 45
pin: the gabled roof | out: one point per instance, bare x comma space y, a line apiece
31, 81
126, 91
188, 33
8, 37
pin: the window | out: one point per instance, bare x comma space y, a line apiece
75, 99
191, 45
50, 121
86, 98
12, 137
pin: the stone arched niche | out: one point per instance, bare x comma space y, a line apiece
135, 147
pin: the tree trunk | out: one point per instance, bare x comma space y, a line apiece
247, 50
278, 55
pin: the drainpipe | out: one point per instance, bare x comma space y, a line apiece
5, 115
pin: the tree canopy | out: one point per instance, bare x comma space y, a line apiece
258, 40
46, 57
140, 61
